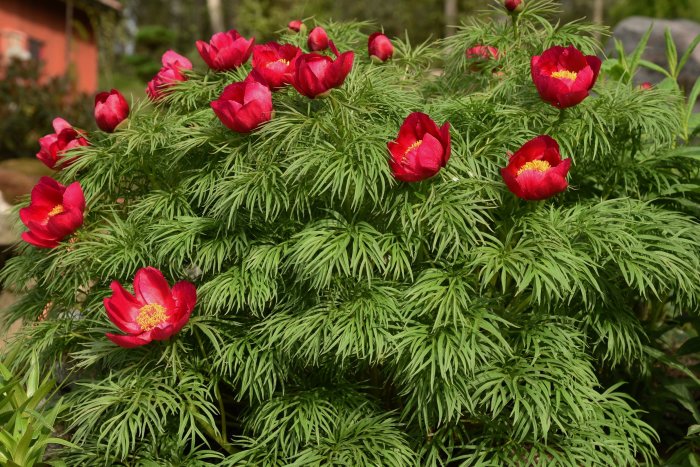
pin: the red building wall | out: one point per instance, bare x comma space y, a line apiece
45, 21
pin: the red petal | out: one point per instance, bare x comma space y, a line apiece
185, 296
532, 184
446, 142
123, 303
530, 151
162, 333
396, 150
116, 318
339, 69
257, 92
234, 92
428, 157
151, 287
562, 169
594, 62
47, 191
511, 182
31, 238
411, 130
179, 324
224, 112
60, 124
129, 342
73, 197
203, 49
64, 224
174, 59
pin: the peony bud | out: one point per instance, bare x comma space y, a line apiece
318, 39
296, 25
380, 46
514, 5
110, 110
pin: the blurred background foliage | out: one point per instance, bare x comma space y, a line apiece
29, 104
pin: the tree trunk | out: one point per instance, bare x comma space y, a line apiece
216, 15
598, 14
450, 16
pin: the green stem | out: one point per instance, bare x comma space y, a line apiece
220, 440
222, 411
560, 120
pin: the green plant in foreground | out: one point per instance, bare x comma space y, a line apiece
27, 419
345, 318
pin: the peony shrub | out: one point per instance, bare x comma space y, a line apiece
377, 264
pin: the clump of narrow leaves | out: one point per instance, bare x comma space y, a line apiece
393, 266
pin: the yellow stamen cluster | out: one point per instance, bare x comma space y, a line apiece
415, 145
281, 60
565, 74
150, 316
58, 209
540, 166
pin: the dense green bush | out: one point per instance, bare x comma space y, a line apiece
345, 318
28, 104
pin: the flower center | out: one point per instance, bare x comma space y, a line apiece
58, 209
565, 74
540, 166
151, 315
281, 60
415, 145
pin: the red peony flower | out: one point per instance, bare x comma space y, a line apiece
273, 63
380, 46
513, 5
54, 212
318, 39
55, 145
420, 150
536, 170
155, 311
563, 76
646, 85
110, 110
170, 73
295, 25
226, 50
315, 74
244, 105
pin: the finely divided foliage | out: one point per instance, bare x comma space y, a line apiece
346, 318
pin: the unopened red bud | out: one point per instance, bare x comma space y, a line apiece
514, 5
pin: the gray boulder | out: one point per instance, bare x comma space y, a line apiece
631, 30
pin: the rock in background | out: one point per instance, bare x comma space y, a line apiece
631, 30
